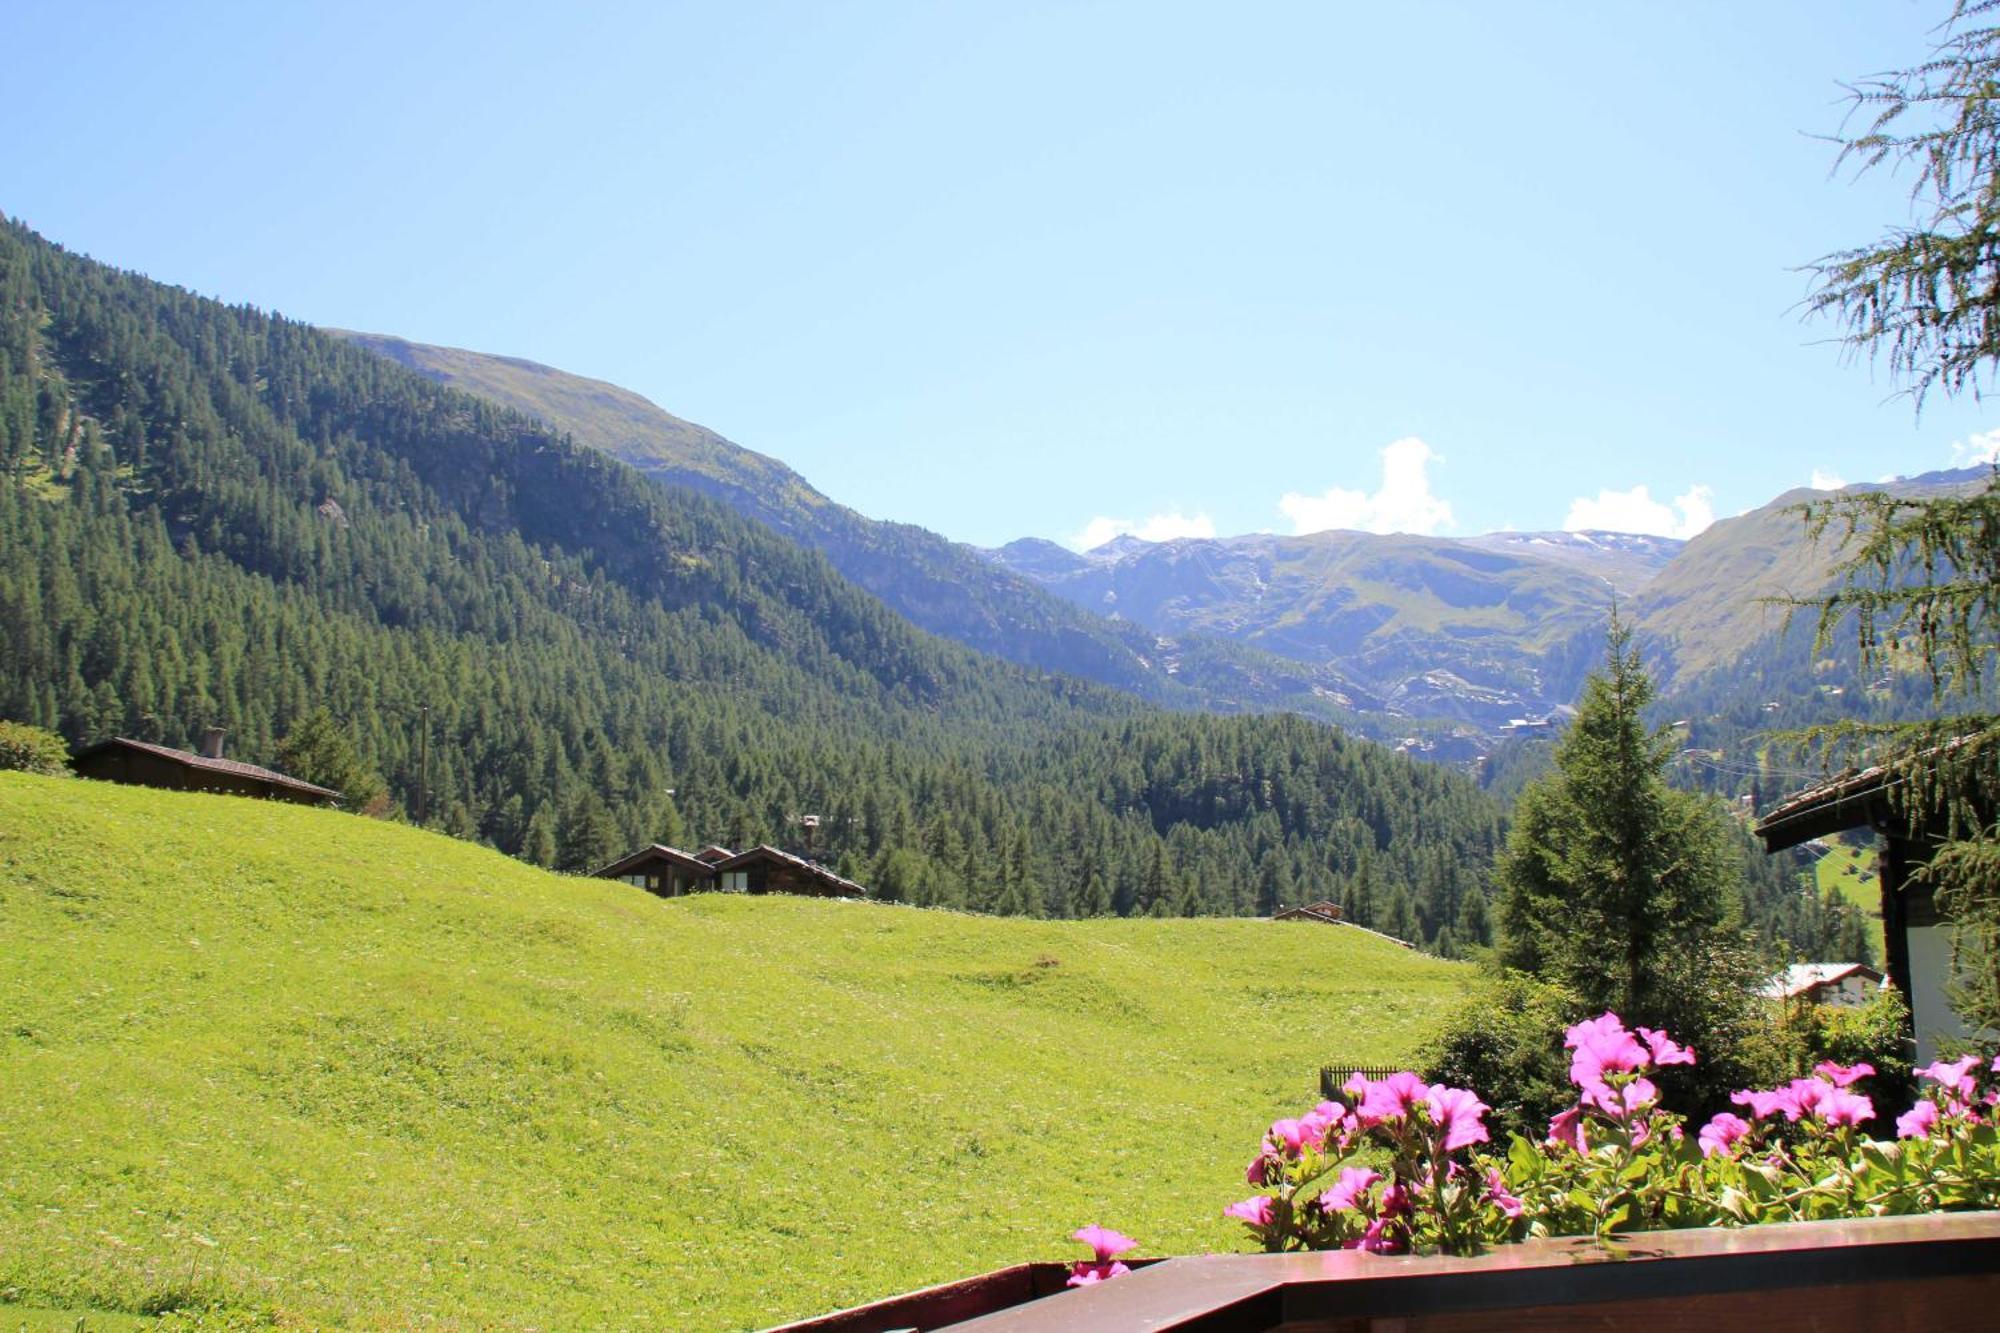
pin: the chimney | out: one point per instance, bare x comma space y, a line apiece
211, 743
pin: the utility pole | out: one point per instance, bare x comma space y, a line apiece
424, 765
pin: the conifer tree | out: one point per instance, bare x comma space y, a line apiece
320, 750
1611, 879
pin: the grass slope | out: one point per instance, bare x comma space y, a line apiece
1850, 870
295, 1064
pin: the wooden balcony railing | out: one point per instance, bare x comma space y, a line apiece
1930, 1273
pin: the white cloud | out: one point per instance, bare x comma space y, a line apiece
1976, 450
1403, 504
1159, 528
1636, 511
1826, 481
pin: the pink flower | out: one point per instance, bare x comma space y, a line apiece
1254, 1174
1287, 1136
1457, 1112
1354, 1182
1804, 1096
1630, 1100
1918, 1121
1842, 1107
1106, 1243
1763, 1105
1721, 1134
1843, 1076
1497, 1195
1602, 1046
1318, 1124
1083, 1273
1956, 1076
1256, 1210
1392, 1098
1664, 1049
1566, 1129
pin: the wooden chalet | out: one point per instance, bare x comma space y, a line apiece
670, 872
143, 764
1843, 985
1323, 911
1916, 938
667, 871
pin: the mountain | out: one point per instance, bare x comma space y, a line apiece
939, 585
1625, 560
1722, 594
1434, 628
214, 517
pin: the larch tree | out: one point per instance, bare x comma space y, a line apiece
1920, 579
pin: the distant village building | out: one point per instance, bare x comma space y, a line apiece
1848, 985
670, 872
1324, 912
146, 765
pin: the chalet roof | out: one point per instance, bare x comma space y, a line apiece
767, 853
1800, 978
1847, 800
713, 853
1850, 800
659, 851
230, 767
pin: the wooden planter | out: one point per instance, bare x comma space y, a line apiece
1935, 1272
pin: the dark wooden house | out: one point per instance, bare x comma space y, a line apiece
146, 765
670, 872
664, 870
765, 869
1916, 938
1325, 912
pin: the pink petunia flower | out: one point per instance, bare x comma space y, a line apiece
1106, 1243
1256, 1172
1566, 1130
1256, 1210
1763, 1105
1391, 1098
1287, 1136
1664, 1049
1083, 1273
1496, 1193
1918, 1121
1345, 1193
1956, 1077
1457, 1112
1602, 1046
1633, 1098
1842, 1107
1843, 1076
1722, 1133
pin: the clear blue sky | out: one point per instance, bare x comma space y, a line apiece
1003, 269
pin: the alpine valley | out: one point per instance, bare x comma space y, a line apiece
1442, 646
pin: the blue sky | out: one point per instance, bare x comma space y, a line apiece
1017, 269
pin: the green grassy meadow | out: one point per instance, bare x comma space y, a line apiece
261, 1063
1850, 870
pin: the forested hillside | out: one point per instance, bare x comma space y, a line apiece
216, 517
940, 585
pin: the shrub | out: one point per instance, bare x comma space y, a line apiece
1506, 1040
29, 749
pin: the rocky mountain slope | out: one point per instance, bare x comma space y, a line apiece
1435, 628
